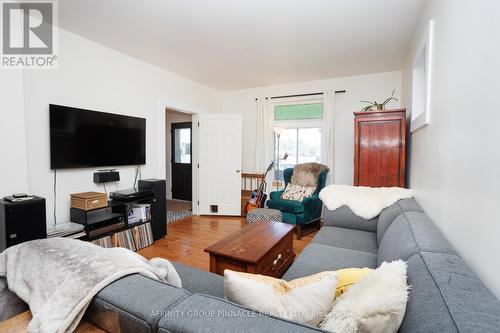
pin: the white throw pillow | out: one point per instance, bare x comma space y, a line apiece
306, 300
297, 192
375, 304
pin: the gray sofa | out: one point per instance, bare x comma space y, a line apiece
445, 295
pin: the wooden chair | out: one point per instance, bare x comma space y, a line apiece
249, 182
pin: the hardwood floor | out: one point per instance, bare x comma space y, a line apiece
188, 238
19, 324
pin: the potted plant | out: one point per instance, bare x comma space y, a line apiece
374, 106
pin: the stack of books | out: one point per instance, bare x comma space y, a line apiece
66, 229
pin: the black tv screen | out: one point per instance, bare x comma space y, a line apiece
83, 138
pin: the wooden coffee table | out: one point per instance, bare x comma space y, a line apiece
262, 248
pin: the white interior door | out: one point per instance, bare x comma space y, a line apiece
220, 164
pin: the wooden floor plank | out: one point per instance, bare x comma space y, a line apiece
19, 324
188, 238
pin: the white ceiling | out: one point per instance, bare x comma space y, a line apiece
234, 44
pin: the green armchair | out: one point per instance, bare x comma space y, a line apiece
303, 214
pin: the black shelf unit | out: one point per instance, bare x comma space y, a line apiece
119, 207
124, 204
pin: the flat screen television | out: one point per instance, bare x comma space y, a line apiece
83, 138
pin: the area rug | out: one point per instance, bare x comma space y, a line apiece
176, 216
178, 210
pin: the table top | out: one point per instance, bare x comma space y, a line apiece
251, 243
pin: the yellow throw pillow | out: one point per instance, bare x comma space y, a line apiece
349, 276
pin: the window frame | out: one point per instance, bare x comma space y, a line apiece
300, 123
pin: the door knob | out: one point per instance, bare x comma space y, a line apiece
238, 170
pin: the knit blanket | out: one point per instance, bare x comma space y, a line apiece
365, 202
58, 277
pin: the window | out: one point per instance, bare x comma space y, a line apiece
182, 145
421, 81
298, 111
300, 139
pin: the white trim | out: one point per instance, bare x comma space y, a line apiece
163, 105
426, 44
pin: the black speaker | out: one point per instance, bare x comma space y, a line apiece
22, 221
106, 176
159, 222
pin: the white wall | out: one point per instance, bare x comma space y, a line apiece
13, 170
372, 87
455, 159
95, 77
172, 117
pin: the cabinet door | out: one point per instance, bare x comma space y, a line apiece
379, 152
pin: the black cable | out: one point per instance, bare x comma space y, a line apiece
55, 196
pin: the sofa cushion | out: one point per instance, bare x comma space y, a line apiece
345, 218
389, 214
133, 304
409, 233
197, 281
289, 206
347, 238
317, 258
446, 296
206, 314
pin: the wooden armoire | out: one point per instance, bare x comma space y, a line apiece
380, 148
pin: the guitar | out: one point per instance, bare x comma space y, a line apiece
258, 197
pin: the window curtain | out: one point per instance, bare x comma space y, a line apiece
328, 137
263, 138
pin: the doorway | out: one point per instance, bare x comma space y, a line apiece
179, 148
181, 161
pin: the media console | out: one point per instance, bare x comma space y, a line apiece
113, 220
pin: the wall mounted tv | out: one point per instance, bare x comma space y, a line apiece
83, 138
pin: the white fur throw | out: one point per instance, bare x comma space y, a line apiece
375, 304
365, 202
58, 277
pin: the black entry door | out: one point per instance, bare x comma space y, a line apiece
181, 161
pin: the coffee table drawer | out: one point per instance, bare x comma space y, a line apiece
279, 265
281, 250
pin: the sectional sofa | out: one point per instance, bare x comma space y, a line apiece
445, 295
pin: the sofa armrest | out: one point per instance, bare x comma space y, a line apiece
133, 304
10, 304
276, 194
